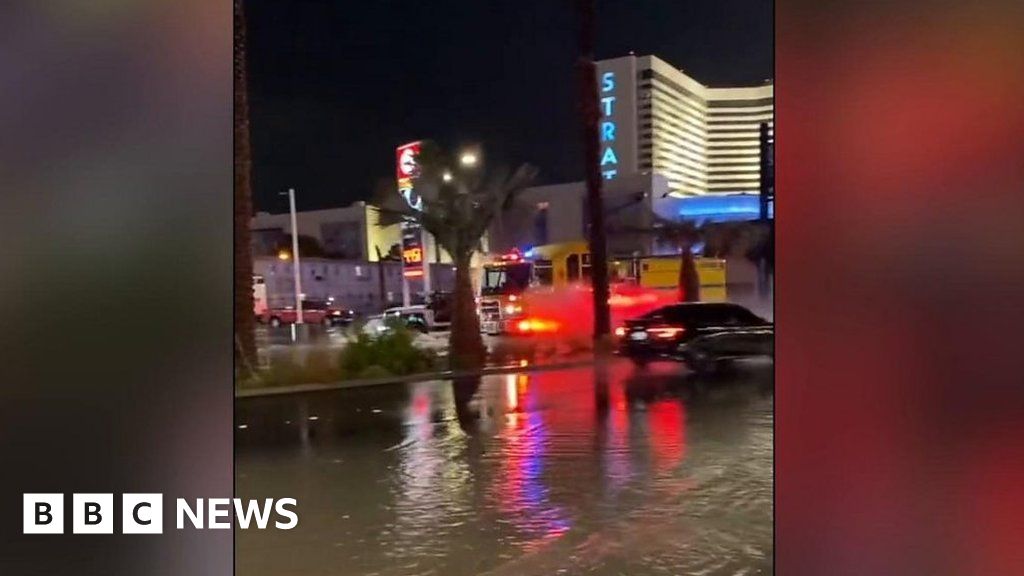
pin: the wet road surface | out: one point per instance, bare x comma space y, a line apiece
564, 472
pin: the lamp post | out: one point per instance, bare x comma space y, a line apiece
296, 272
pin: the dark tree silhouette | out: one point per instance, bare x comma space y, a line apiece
244, 317
589, 115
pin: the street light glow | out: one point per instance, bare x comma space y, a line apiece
447, 176
468, 159
283, 255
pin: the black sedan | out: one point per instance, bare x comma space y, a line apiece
703, 335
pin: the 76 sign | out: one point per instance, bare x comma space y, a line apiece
412, 255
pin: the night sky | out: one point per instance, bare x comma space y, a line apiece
337, 84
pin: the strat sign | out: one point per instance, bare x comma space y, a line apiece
609, 161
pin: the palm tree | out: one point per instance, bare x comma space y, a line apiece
685, 235
245, 341
457, 211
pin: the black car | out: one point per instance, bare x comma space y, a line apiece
703, 335
340, 316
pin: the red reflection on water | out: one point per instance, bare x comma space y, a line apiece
617, 466
519, 490
668, 433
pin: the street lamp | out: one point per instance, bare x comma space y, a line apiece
283, 255
296, 275
446, 176
468, 159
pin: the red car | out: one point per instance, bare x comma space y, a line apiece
312, 313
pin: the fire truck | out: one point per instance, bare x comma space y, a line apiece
533, 292
503, 284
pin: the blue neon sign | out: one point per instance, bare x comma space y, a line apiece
609, 160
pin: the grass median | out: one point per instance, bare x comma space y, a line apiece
395, 353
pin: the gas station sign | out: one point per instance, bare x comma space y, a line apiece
412, 251
406, 172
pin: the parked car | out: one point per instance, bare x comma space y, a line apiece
374, 325
313, 312
703, 335
421, 318
418, 318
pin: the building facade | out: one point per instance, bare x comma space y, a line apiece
349, 233
557, 213
703, 140
353, 284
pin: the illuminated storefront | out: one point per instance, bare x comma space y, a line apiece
717, 208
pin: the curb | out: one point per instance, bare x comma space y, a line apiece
446, 375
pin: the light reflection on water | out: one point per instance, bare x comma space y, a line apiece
538, 473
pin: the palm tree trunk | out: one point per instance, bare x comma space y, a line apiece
244, 315
689, 281
589, 114
465, 345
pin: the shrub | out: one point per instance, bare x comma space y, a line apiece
283, 370
389, 353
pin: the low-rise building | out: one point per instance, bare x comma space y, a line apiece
354, 284
350, 233
557, 213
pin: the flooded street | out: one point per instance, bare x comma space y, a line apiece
561, 472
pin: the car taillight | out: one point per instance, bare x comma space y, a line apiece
620, 331
665, 331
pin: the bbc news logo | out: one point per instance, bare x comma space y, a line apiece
143, 513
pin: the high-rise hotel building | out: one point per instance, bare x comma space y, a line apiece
703, 140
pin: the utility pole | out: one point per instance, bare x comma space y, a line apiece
296, 268
381, 284
589, 113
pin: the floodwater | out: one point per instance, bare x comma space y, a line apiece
580, 471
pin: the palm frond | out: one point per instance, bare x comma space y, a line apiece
458, 212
